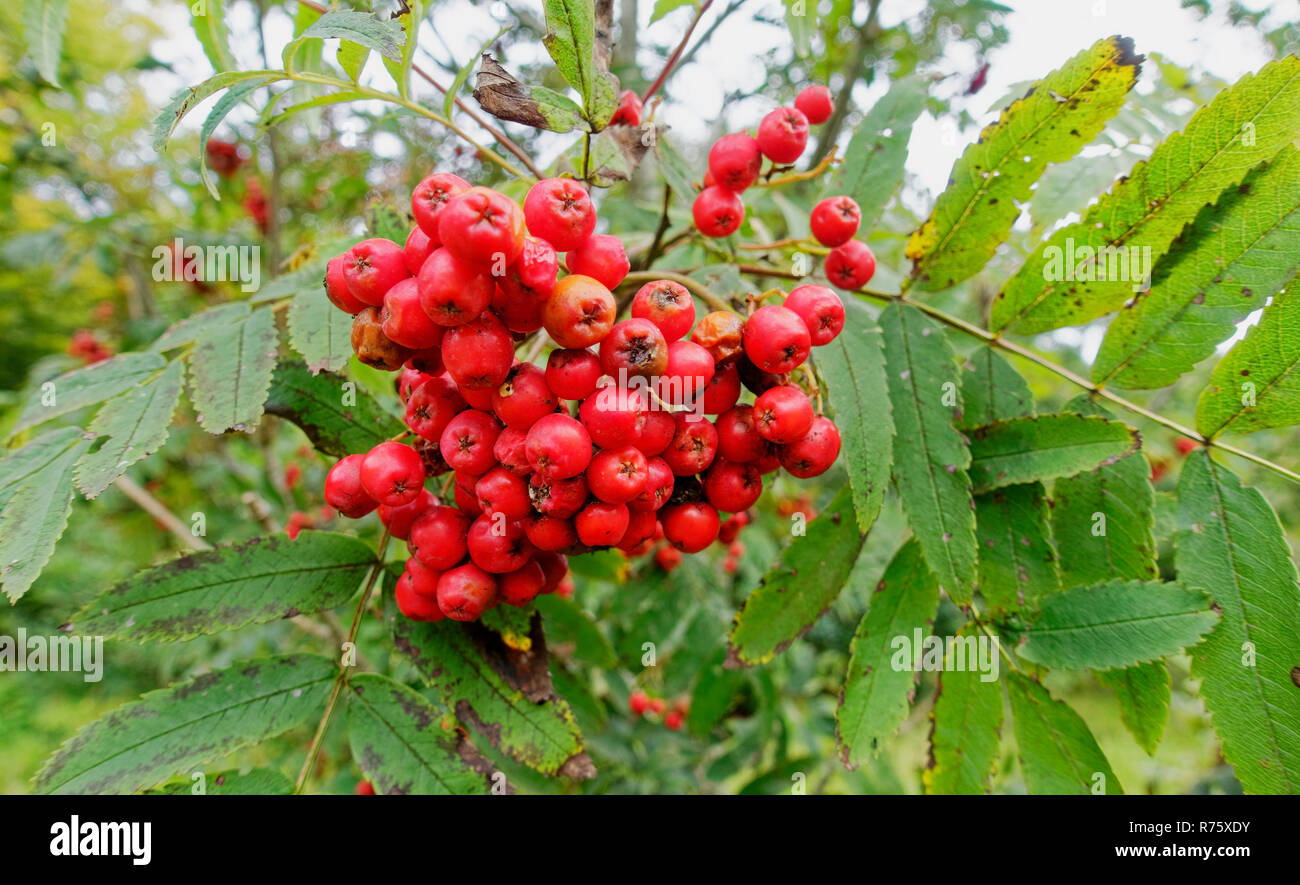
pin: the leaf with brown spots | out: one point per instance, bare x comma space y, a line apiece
398, 739
505, 98
337, 419
171, 730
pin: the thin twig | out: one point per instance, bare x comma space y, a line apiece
677, 53
159, 511
790, 177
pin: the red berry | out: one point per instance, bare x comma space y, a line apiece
523, 397
718, 212
638, 702
628, 112
666, 304
1184, 445
479, 353
408, 381
690, 527
687, 374
572, 374
558, 447
783, 414
555, 566
656, 433
392, 473
559, 211
694, 445
432, 405
500, 491
427, 361
601, 257
776, 339
405, 320
732, 487
673, 720
579, 312
372, 267
364, 788
600, 524
783, 134
424, 580
815, 452
668, 558
561, 498
550, 533
820, 309
466, 502
437, 537
418, 247
658, 486
738, 438
412, 604
614, 416
634, 347
466, 592
431, 196
616, 476
343, 489
478, 398
641, 525
466, 442
509, 451
816, 104
835, 220
336, 289
723, 389
483, 227
497, 544
521, 586
399, 519
735, 161
850, 266
453, 292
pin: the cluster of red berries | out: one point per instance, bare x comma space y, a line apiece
87, 348
735, 162
225, 157
534, 479
641, 703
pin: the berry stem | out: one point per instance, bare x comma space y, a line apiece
677, 53
791, 177
994, 340
342, 677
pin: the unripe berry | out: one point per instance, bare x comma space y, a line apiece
579, 313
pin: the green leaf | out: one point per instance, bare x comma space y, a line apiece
186, 100
1052, 122
135, 424
220, 109
571, 41
401, 70
1236, 255
1044, 447
713, 693
991, 390
37, 507
799, 588
230, 372
371, 30
338, 417
397, 738
521, 717
1257, 385
319, 331
86, 387
210, 28
1229, 542
1060, 285
258, 782
352, 58
873, 162
566, 622
171, 730
1017, 564
255, 582
1116, 624
675, 170
854, 368
930, 455
1058, 754
1142, 693
965, 730
881, 680
186, 330
663, 7
449, 100
20, 464
45, 22
801, 19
